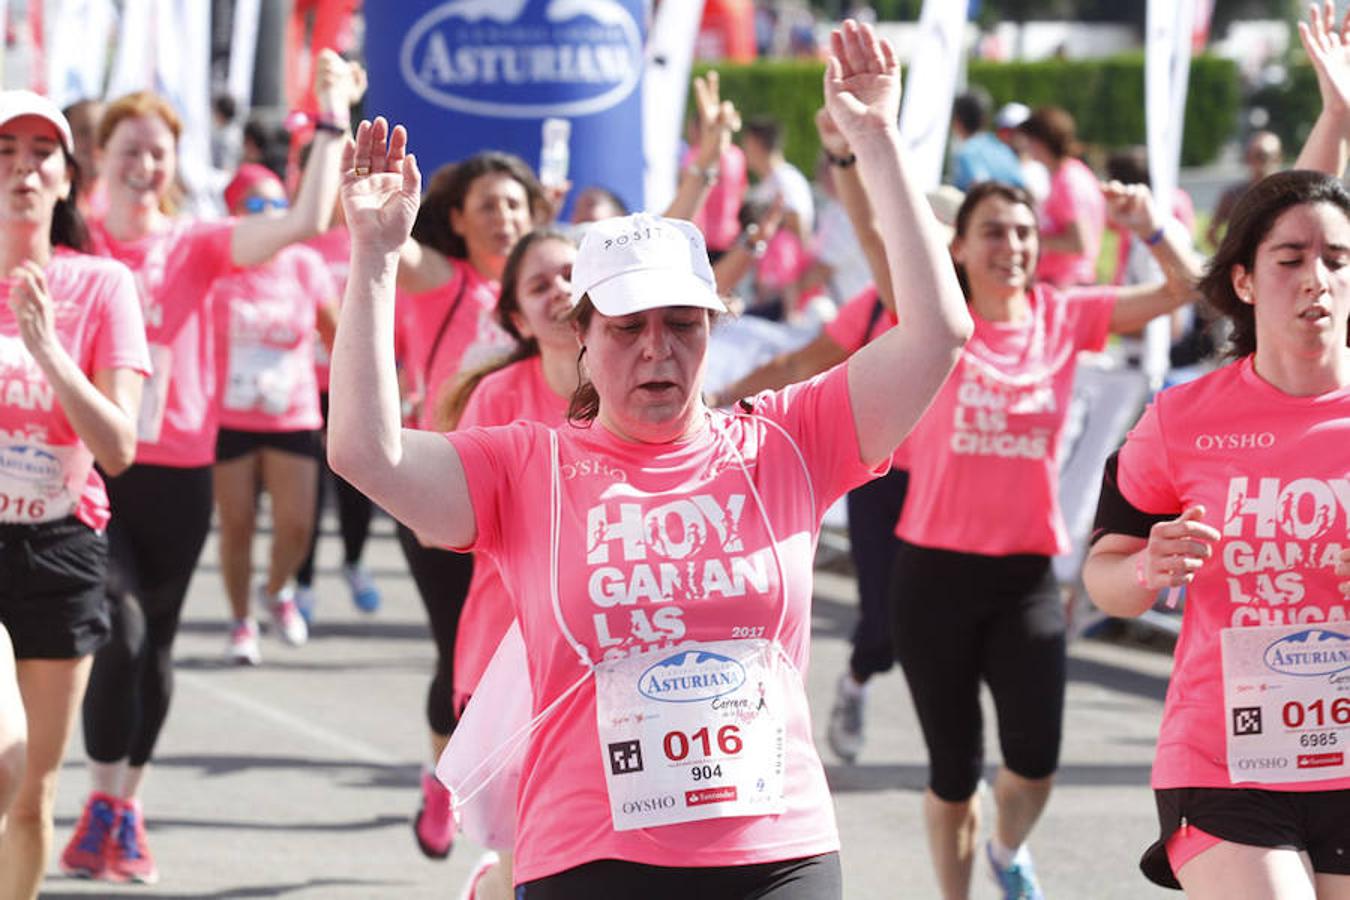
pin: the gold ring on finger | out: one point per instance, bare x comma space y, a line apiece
361, 171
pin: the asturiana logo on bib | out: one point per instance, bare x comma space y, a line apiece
29, 463
690, 676
524, 59
1312, 652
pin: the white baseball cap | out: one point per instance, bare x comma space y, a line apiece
629, 264
14, 104
1010, 115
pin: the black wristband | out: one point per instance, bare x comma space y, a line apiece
330, 127
842, 162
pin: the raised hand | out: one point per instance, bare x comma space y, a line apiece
338, 85
862, 82
718, 119
1328, 50
32, 308
1131, 206
1176, 550
381, 188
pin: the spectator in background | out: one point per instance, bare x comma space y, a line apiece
717, 218
980, 155
1073, 214
1264, 156
227, 137
777, 177
595, 203
84, 116
266, 143
1035, 178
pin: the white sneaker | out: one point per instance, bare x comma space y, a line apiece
285, 616
846, 719
242, 649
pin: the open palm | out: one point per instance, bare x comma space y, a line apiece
381, 187
862, 81
1328, 50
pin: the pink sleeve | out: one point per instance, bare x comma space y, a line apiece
818, 415
849, 328
119, 341
211, 243
1144, 471
493, 459
1090, 314
318, 281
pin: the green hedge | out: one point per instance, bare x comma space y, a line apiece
1292, 106
1105, 96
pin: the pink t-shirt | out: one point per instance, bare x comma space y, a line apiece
517, 393
264, 327
46, 471
984, 459
175, 270
335, 246
858, 322
1075, 196
718, 217
441, 338
634, 516
1272, 472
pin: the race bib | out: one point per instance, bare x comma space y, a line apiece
1286, 692
41, 483
260, 377
155, 394
694, 733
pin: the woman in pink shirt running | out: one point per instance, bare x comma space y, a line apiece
72, 363
665, 600
1236, 488
163, 501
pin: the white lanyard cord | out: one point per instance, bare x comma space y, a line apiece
502, 759
555, 536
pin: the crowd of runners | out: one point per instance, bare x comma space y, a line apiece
465, 361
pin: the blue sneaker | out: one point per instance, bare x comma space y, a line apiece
1018, 880
365, 595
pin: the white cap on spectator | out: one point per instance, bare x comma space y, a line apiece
630, 264
1010, 115
17, 103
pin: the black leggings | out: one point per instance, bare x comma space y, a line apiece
963, 618
354, 509
873, 510
160, 519
811, 878
442, 578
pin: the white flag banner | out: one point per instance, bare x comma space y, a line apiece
133, 66
665, 87
78, 39
1167, 71
4, 58
930, 88
183, 75
244, 54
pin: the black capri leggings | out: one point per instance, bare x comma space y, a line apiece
963, 618
873, 510
811, 878
442, 578
160, 518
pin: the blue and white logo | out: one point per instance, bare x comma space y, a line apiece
29, 463
690, 676
1312, 652
498, 58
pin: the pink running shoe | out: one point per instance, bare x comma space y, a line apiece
434, 826
86, 856
129, 856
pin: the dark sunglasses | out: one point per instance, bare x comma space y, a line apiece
260, 204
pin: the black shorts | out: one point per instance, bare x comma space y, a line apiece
232, 444
810, 878
52, 598
1314, 822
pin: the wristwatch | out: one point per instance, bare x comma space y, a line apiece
750, 240
709, 174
